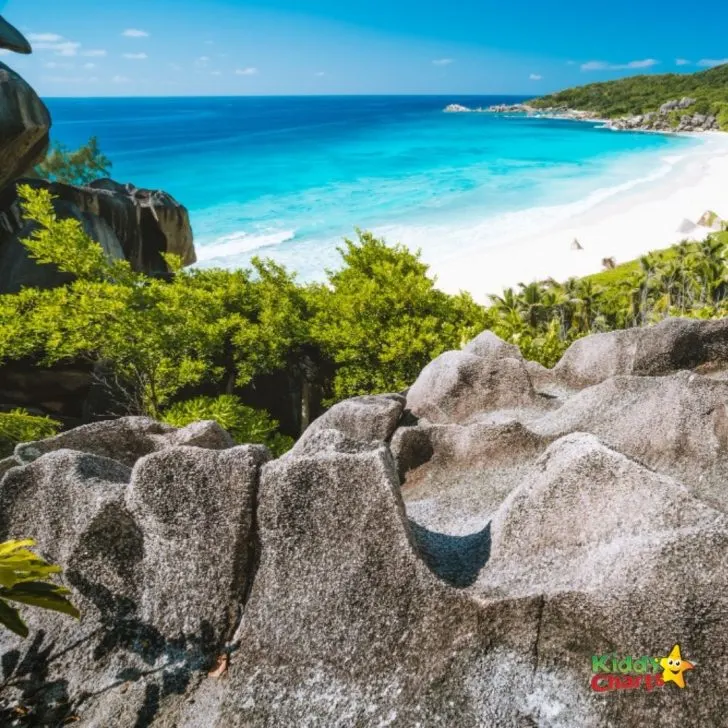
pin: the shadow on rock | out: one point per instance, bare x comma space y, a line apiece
457, 560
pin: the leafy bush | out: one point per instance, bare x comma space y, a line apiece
24, 579
20, 426
381, 319
78, 167
245, 424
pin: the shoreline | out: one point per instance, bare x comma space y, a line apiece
624, 226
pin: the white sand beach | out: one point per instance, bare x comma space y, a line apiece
625, 225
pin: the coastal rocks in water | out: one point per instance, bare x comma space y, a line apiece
664, 122
133, 224
394, 572
24, 126
12, 39
456, 109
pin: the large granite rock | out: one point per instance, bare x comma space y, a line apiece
668, 347
367, 419
389, 571
159, 558
24, 126
12, 39
129, 223
459, 384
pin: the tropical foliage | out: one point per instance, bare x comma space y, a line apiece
245, 424
185, 347
19, 425
78, 167
381, 319
24, 579
641, 94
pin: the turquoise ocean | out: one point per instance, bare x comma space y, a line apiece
289, 178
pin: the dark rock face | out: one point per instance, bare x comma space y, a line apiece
389, 571
129, 223
24, 125
12, 39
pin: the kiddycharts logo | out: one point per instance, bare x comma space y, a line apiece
614, 672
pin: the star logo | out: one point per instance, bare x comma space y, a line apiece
674, 666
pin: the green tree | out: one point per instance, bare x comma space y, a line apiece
24, 579
381, 319
79, 167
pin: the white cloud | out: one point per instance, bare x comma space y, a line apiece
120, 79
604, 66
175, 66
62, 48
216, 73
136, 56
55, 64
64, 79
535, 77
89, 66
246, 72
443, 61
134, 33
710, 62
44, 37
94, 53
682, 62
320, 73
4, 52
570, 63
647, 63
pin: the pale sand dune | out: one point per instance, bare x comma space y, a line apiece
624, 226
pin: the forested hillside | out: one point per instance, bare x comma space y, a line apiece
642, 94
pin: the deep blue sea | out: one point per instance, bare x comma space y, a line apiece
290, 177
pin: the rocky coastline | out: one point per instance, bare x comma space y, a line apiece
662, 120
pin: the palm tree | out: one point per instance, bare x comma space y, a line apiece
531, 304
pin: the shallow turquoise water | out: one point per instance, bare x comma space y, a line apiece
289, 177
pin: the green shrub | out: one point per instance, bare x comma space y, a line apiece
245, 424
78, 167
721, 115
24, 579
20, 426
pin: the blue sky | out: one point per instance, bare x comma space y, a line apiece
221, 47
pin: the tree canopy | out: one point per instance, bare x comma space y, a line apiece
185, 346
78, 167
645, 93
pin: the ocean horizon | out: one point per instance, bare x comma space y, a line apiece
288, 177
